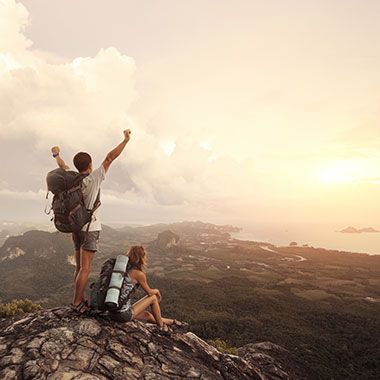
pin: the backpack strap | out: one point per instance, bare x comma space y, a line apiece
135, 268
97, 202
74, 189
96, 206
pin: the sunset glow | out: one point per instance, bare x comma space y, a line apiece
250, 122
340, 172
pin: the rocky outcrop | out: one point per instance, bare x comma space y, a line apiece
275, 362
53, 345
167, 239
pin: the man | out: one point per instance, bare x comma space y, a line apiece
86, 243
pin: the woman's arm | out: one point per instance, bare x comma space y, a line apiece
141, 279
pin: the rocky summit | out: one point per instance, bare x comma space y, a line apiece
53, 345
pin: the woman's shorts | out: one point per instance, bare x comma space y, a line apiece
124, 316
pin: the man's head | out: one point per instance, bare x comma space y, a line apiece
83, 162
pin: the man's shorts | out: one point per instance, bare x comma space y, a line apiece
87, 241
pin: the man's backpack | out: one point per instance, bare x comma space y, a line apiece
70, 212
105, 291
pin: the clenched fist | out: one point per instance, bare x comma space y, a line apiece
55, 149
127, 134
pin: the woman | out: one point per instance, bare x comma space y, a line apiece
134, 278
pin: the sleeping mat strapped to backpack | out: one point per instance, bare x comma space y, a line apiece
105, 291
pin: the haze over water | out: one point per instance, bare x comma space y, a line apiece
245, 110
316, 235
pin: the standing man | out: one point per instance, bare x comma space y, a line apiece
86, 243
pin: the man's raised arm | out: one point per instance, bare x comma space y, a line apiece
55, 151
114, 153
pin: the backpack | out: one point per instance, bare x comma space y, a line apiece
105, 291
100, 286
70, 212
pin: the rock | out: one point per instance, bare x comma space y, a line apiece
14, 357
31, 369
89, 327
167, 239
53, 345
8, 374
274, 362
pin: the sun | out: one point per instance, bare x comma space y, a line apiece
344, 171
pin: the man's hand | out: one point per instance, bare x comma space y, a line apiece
55, 149
58, 159
127, 135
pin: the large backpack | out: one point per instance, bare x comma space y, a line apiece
105, 291
100, 286
70, 212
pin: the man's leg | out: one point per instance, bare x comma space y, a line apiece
77, 244
82, 277
88, 247
77, 264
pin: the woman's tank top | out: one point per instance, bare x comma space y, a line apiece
127, 291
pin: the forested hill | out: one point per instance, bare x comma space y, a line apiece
35, 265
321, 305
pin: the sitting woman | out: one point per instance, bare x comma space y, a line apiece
134, 278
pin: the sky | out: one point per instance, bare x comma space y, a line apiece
240, 111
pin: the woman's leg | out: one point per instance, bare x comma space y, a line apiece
152, 301
146, 316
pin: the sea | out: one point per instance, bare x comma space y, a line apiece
315, 235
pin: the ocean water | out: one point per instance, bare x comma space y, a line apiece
316, 235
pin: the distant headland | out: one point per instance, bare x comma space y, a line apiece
353, 230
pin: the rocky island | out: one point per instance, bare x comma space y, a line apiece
353, 230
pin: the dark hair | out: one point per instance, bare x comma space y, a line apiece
82, 161
137, 257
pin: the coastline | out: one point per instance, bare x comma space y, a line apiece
363, 243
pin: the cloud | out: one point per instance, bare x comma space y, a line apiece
84, 104
23, 195
14, 18
362, 140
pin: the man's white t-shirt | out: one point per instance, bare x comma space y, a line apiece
90, 188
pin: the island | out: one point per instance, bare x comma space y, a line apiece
353, 230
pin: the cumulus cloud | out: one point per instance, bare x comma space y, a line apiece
84, 104
14, 18
81, 102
